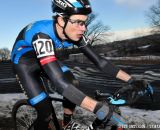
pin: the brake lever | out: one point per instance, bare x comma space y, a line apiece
116, 102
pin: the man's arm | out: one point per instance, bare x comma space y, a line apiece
45, 53
108, 68
103, 64
48, 61
44, 49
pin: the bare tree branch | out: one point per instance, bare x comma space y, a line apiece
95, 32
95, 29
4, 54
91, 18
154, 16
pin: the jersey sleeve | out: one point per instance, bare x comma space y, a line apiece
44, 48
104, 65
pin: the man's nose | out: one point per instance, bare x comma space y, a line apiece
83, 27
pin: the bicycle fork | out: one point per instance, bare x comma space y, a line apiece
54, 124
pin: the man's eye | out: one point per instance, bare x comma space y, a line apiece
81, 23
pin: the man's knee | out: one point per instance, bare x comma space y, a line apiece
68, 104
43, 105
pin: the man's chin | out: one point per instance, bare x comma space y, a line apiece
76, 39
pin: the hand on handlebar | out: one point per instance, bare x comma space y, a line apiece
134, 91
103, 111
112, 117
142, 87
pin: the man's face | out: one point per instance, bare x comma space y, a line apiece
76, 27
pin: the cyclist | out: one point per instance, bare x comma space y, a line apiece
34, 52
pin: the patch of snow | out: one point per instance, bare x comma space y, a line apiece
139, 116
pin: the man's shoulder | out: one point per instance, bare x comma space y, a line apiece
39, 24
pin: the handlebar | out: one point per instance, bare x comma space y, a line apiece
109, 98
116, 119
98, 94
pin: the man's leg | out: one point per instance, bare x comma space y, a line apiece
28, 76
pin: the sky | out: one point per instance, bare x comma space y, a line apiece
117, 14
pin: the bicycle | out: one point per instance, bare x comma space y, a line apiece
24, 115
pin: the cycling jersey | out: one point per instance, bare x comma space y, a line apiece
24, 42
33, 53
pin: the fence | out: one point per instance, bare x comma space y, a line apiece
8, 83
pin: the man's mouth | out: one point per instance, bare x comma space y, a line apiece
79, 35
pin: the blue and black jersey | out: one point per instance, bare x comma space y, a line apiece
43, 45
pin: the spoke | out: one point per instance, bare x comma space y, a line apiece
25, 116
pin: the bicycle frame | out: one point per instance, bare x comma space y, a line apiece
56, 124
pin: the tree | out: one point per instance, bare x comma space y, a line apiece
154, 16
4, 54
95, 29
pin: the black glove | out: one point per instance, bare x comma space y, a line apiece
141, 86
138, 85
135, 90
126, 93
103, 112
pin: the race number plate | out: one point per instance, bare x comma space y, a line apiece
43, 47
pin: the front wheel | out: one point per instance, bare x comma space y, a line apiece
24, 115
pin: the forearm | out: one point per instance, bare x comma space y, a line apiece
88, 103
72, 93
102, 110
123, 76
63, 86
104, 65
67, 89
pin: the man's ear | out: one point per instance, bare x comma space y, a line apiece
60, 21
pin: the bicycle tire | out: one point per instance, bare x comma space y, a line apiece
24, 115
27, 117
